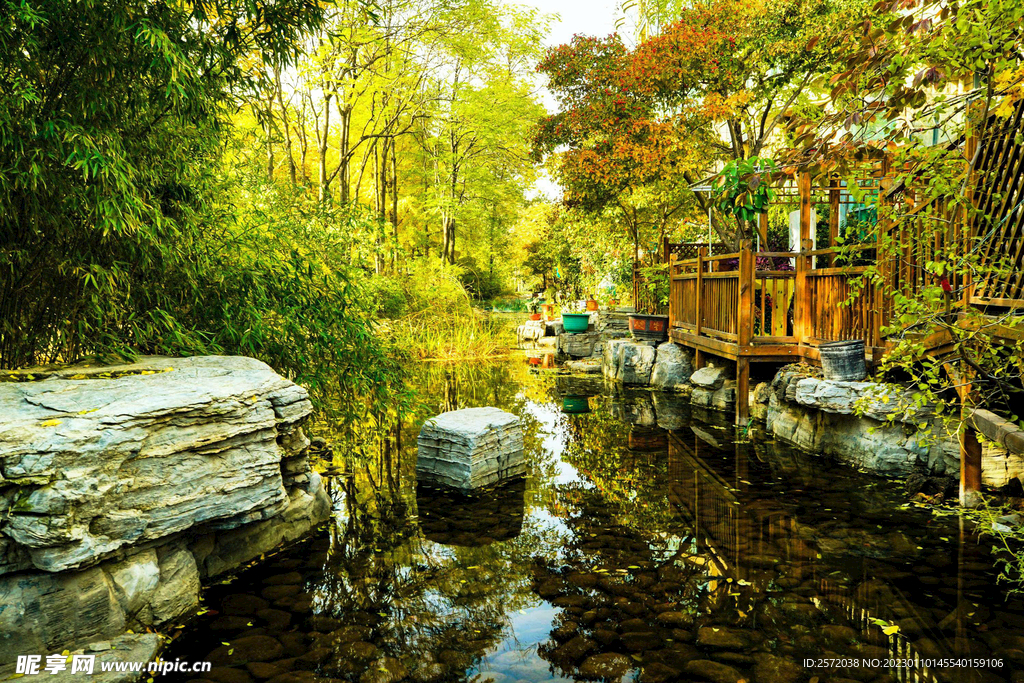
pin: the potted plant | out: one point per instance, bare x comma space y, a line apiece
533, 306
646, 324
574, 321
592, 303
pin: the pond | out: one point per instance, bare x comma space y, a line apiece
647, 542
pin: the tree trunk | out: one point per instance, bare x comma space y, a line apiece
394, 203
285, 125
322, 183
345, 114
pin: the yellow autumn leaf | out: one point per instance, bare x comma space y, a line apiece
50, 423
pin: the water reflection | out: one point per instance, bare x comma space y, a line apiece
646, 542
451, 518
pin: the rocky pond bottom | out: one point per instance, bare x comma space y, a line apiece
628, 552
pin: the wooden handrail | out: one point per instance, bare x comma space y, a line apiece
722, 257
838, 250
777, 254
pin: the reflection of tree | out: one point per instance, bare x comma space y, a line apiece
597, 445
622, 589
430, 604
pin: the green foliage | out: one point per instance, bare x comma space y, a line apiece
109, 120
123, 232
1001, 524
745, 187
430, 315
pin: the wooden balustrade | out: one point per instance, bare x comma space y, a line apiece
749, 307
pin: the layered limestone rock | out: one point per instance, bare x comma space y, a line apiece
851, 421
614, 322
577, 345
124, 486
537, 330
471, 448
605, 325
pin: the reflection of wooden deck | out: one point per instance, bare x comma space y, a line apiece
731, 533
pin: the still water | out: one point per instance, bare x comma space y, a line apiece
648, 542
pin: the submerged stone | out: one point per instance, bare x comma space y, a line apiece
470, 448
609, 666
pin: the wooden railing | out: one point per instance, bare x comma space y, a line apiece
794, 298
840, 303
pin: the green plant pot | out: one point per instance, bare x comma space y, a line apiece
575, 323
575, 405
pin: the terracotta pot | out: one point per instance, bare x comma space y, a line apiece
535, 316
592, 304
548, 310
613, 302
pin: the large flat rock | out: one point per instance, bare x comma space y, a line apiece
100, 458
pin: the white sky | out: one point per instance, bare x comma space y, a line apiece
587, 17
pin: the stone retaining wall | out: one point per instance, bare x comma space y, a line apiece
858, 422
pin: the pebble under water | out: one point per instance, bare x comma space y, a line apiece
648, 542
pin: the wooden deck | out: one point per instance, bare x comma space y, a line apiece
754, 306
727, 306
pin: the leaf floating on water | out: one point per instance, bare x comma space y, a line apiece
891, 630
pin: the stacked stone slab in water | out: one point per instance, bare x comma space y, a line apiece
470, 448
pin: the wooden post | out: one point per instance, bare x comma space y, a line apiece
762, 229
884, 264
701, 253
970, 447
834, 194
742, 390
963, 222
744, 330
744, 314
970, 465
672, 305
801, 304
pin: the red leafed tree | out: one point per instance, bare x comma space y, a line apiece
717, 84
